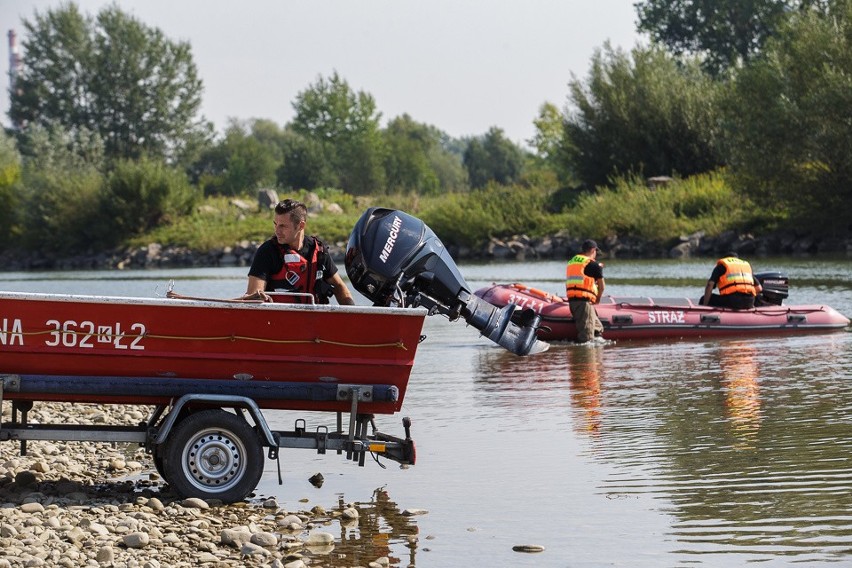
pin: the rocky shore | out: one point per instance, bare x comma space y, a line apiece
97, 504
518, 248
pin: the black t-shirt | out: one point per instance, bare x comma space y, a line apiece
268, 260
593, 270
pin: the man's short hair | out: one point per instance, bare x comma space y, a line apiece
297, 210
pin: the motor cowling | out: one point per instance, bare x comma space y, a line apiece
776, 288
394, 259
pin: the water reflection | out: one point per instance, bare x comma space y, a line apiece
740, 384
381, 530
585, 366
751, 448
745, 444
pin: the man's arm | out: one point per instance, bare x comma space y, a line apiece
341, 291
255, 289
601, 286
708, 290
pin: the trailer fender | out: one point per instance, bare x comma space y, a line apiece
220, 401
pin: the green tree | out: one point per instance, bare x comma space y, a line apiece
305, 164
416, 160
346, 126
723, 32
493, 158
10, 173
60, 186
788, 117
140, 195
547, 143
112, 75
643, 113
247, 158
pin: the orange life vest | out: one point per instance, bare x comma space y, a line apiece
736, 278
577, 284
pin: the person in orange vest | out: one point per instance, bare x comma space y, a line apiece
737, 285
584, 286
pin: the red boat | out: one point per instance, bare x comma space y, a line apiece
654, 318
146, 351
209, 366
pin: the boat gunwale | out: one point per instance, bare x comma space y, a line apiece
212, 303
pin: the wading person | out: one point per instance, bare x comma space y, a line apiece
737, 285
584, 286
293, 262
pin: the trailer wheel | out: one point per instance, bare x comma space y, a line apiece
157, 458
213, 454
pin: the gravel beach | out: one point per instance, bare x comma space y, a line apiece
101, 504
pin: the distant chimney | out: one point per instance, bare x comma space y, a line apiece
15, 61
15, 65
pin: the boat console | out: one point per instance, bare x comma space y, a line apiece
394, 259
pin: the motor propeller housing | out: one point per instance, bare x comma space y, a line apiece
394, 259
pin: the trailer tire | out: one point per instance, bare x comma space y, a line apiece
213, 454
157, 458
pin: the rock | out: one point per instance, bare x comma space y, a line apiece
25, 478
195, 503
136, 540
316, 480
251, 549
267, 198
105, 555
264, 539
319, 539
32, 508
414, 512
528, 548
235, 537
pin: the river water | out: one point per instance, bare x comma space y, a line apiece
636, 454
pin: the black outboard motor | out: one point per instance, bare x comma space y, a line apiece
775, 286
394, 259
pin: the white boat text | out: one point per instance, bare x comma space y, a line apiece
524, 302
70, 333
12, 333
666, 317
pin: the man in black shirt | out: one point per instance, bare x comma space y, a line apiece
293, 262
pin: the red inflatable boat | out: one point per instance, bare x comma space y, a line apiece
654, 318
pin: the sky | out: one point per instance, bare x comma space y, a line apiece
463, 66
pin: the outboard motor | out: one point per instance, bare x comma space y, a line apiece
394, 259
775, 286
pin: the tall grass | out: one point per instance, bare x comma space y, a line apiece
704, 202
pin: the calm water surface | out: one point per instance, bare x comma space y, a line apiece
685, 453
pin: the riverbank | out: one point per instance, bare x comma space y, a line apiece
518, 247
98, 504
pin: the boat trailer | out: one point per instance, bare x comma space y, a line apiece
209, 441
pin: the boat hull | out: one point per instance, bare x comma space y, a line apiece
655, 318
232, 343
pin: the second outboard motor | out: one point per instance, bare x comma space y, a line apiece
776, 288
394, 259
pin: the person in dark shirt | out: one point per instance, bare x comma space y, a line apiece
737, 285
293, 262
584, 286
